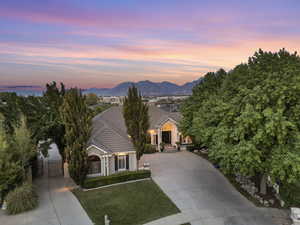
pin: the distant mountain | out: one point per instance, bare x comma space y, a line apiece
24, 90
147, 88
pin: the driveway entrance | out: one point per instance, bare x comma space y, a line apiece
197, 188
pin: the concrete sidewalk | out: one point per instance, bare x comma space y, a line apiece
57, 206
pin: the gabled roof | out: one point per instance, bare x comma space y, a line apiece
110, 133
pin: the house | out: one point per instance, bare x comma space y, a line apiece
110, 149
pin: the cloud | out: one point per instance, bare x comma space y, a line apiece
106, 42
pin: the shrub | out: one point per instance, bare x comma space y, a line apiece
116, 178
21, 199
150, 149
193, 147
190, 148
290, 194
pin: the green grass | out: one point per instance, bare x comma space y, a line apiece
127, 204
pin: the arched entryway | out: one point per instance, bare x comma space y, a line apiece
167, 131
94, 165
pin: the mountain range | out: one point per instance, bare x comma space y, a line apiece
147, 88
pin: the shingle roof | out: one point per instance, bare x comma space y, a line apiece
110, 133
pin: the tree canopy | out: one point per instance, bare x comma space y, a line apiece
249, 117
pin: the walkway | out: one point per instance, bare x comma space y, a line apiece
57, 206
201, 192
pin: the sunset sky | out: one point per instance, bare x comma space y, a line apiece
97, 43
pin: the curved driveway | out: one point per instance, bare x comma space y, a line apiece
201, 191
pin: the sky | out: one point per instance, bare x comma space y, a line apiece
97, 43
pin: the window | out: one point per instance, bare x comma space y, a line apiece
121, 162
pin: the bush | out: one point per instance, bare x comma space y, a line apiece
150, 149
190, 148
21, 199
290, 195
116, 178
193, 147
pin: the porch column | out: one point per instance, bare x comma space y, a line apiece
177, 135
103, 165
158, 138
152, 138
107, 165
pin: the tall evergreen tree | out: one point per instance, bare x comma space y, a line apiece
10, 170
22, 146
77, 121
136, 117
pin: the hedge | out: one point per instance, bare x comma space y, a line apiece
94, 182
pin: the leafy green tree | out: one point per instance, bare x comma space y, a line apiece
136, 117
10, 110
43, 116
209, 87
251, 122
76, 118
53, 98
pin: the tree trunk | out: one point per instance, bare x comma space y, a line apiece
263, 184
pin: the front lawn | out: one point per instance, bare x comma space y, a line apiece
127, 204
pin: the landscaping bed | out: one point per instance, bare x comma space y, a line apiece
100, 181
127, 204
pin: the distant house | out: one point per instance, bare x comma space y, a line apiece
118, 100
110, 149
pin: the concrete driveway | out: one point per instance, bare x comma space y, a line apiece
201, 191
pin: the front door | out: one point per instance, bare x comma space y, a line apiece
166, 137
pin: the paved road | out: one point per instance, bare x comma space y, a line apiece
57, 206
201, 192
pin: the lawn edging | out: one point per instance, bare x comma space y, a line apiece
100, 181
116, 184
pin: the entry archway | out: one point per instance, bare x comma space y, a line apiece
94, 162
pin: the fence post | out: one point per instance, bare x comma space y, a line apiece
106, 220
